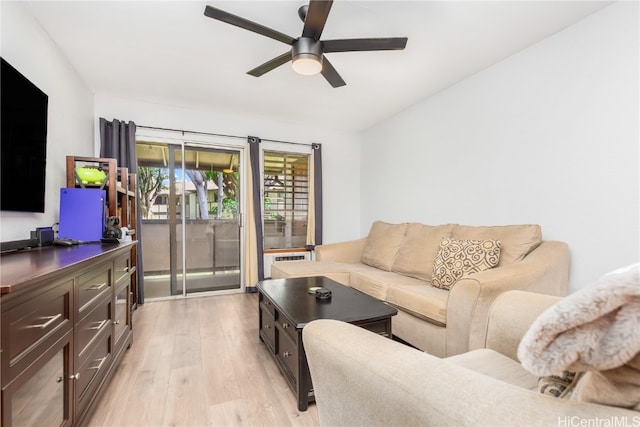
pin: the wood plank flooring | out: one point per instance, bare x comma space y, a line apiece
199, 362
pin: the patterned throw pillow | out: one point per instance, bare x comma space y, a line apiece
457, 258
561, 385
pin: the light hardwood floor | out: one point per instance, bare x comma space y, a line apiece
199, 362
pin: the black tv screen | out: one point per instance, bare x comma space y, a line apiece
23, 142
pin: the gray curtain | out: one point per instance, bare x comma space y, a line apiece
254, 158
118, 141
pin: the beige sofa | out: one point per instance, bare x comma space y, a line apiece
395, 263
375, 381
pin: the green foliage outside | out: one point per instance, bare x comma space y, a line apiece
150, 183
268, 213
229, 208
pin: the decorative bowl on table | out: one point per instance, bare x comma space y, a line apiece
91, 175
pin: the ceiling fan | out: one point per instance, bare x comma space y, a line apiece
307, 51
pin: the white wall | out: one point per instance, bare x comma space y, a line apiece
26, 46
548, 136
340, 150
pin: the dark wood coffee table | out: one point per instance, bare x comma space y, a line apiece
286, 306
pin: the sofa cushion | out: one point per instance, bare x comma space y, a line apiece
382, 244
517, 241
496, 365
423, 301
418, 250
338, 271
457, 258
375, 282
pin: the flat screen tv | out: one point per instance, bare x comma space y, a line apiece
23, 142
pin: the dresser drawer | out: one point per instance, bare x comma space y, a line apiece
122, 266
36, 397
92, 325
92, 286
92, 368
121, 319
36, 320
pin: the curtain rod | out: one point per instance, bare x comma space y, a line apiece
227, 136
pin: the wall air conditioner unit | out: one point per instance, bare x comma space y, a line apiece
270, 258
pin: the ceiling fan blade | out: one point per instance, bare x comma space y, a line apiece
270, 65
331, 74
317, 14
229, 18
355, 45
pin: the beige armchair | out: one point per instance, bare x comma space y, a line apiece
361, 378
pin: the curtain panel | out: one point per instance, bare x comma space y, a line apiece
311, 209
255, 249
314, 215
255, 233
118, 141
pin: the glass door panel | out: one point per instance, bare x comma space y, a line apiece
212, 221
196, 200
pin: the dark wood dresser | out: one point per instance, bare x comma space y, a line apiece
66, 323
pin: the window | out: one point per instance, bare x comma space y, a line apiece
286, 199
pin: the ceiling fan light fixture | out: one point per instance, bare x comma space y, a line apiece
306, 56
306, 64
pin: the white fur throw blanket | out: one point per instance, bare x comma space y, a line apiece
596, 329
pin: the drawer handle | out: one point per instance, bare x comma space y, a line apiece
100, 325
285, 325
286, 354
117, 322
267, 326
97, 368
48, 322
59, 379
75, 377
97, 287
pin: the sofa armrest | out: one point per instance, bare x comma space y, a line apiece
375, 381
510, 316
545, 270
349, 251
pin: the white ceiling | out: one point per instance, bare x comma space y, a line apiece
169, 52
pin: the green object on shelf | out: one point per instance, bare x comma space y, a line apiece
91, 175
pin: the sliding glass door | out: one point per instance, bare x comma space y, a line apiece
211, 228
191, 209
